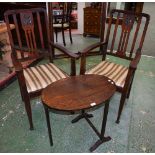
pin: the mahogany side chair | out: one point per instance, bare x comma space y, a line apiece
62, 22
127, 33
31, 41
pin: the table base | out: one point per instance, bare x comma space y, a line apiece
102, 139
83, 115
99, 142
101, 136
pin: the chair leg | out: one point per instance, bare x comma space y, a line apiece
128, 94
129, 90
56, 35
22, 96
28, 111
70, 35
122, 101
63, 37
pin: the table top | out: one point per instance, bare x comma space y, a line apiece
78, 92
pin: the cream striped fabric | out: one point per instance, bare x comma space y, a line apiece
39, 77
60, 25
111, 70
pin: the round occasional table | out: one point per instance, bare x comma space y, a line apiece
78, 93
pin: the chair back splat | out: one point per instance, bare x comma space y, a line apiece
31, 33
129, 25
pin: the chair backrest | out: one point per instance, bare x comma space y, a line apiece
66, 8
125, 31
31, 34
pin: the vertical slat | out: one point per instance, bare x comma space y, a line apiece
144, 33
115, 31
50, 21
109, 27
34, 40
132, 21
135, 36
103, 21
27, 40
126, 42
40, 30
30, 40
102, 28
33, 35
108, 9
123, 42
49, 27
63, 16
120, 41
122, 37
18, 34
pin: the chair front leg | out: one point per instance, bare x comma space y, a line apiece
121, 105
25, 97
129, 90
125, 92
128, 94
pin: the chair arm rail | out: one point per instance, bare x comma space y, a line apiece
91, 47
64, 50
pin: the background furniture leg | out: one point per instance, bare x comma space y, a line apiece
63, 37
70, 35
56, 35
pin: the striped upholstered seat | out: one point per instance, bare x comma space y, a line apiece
111, 70
60, 25
39, 77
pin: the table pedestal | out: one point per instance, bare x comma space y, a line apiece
101, 136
